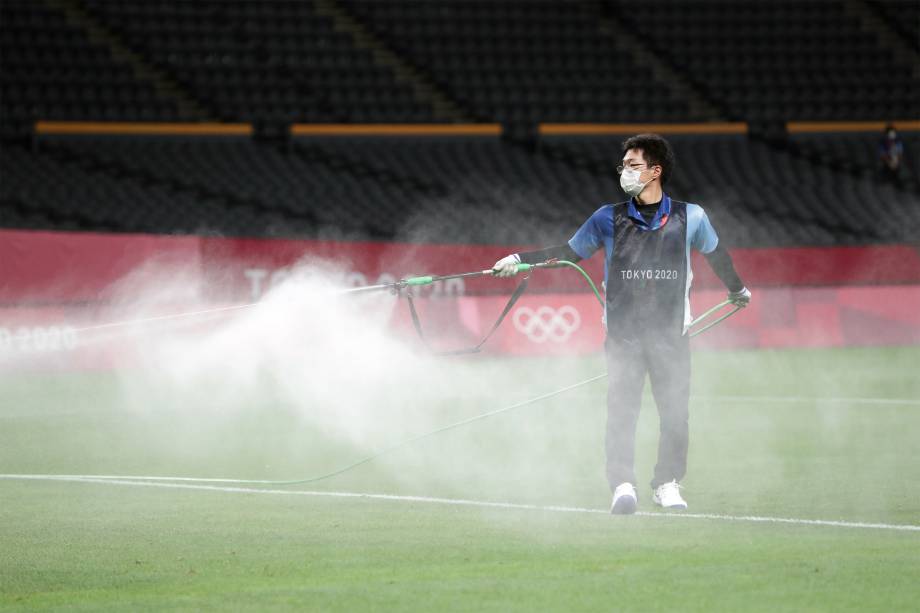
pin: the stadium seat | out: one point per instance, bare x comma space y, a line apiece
464, 189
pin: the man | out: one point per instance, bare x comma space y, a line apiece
647, 241
890, 153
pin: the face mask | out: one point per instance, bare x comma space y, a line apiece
629, 181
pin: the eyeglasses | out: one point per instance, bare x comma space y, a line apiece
621, 168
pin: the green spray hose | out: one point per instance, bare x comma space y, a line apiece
427, 280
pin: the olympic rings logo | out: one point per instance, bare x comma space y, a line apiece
547, 323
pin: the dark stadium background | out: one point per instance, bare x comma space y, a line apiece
787, 101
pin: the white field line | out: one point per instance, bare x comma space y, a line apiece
161, 482
815, 399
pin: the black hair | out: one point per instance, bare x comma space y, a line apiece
655, 150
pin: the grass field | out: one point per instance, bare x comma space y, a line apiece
826, 435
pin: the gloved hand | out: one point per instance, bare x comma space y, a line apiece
740, 298
507, 266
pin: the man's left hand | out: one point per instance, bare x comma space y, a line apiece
741, 298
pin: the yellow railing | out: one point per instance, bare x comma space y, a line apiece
477, 129
143, 128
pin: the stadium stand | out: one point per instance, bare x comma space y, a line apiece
514, 62
52, 70
509, 61
426, 189
857, 154
263, 61
476, 190
762, 196
55, 191
772, 61
903, 17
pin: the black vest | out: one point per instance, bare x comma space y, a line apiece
647, 275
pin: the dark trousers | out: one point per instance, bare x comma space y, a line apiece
666, 359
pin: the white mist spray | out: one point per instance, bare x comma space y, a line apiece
341, 382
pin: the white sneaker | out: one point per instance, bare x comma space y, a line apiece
624, 500
667, 495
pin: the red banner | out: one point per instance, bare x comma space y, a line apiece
818, 266
51, 285
66, 268
72, 267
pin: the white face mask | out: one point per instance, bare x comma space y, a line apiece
629, 181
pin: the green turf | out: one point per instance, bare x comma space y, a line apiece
75, 546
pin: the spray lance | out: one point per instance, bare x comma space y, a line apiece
429, 279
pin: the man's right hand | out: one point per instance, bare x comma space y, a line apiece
507, 266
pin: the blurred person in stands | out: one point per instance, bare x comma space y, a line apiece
647, 241
890, 154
